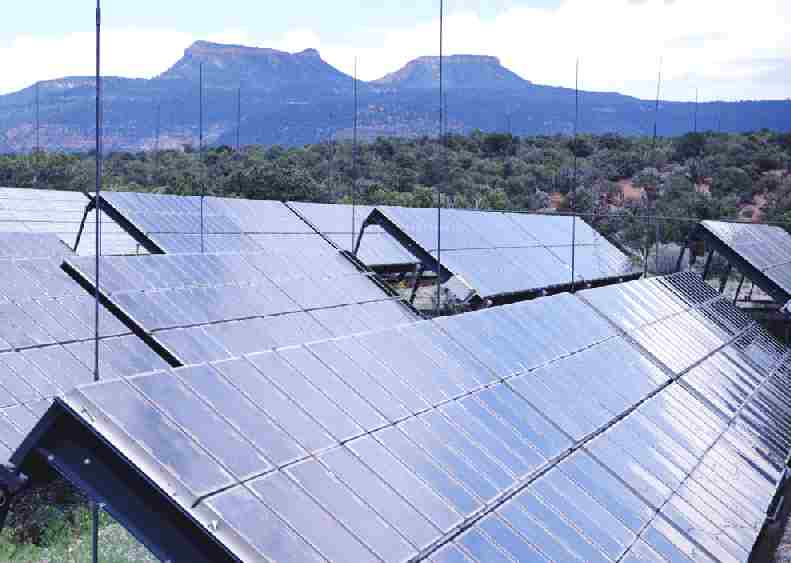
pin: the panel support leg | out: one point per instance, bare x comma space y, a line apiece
724, 278
418, 275
708, 265
738, 290
88, 208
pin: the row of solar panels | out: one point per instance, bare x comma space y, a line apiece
647, 421
195, 308
491, 253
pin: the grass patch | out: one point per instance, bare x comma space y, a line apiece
53, 525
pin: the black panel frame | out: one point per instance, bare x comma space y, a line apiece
62, 445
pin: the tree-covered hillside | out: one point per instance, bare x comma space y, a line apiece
695, 176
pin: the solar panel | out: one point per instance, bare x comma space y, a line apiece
495, 254
208, 307
59, 214
190, 224
763, 252
549, 429
46, 332
378, 249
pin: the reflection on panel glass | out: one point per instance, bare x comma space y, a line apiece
547, 430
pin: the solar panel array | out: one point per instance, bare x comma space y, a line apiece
205, 307
378, 249
500, 253
46, 333
27, 210
767, 248
647, 421
181, 224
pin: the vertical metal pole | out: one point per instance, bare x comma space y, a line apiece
574, 185
354, 158
646, 237
239, 119
38, 120
441, 138
38, 137
97, 264
203, 179
330, 156
156, 142
696, 109
656, 107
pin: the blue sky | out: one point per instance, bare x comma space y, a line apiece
728, 49
334, 19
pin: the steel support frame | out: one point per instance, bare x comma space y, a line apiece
61, 444
756, 276
426, 259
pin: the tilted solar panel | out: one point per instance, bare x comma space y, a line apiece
190, 224
499, 254
46, 348
341, 224
552, 429
60, 214
207, 307
762, 252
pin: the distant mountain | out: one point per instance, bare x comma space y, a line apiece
233, 66
459, 72
298, 98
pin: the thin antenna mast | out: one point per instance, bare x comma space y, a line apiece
442, 141
330, 156
574, 185
156, 141
647, 198
98, 199
354, 159
239, 119
696, 110
38, 121
38, 129
656, 107
203, 178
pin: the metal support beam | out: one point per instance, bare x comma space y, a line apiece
756, 276
738, 290
708, 265
724, 278
681, 255
429, 262
64, 445
416, 284
88, 208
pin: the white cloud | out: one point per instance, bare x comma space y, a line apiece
135, 53
729, 49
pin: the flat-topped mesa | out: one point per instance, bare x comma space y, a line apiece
460, 71
254, 67
209, 49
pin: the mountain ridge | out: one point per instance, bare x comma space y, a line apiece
460, 71
299, 98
